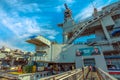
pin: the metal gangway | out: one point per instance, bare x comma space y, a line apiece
81, 28
81, 74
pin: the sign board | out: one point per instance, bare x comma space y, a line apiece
88, 51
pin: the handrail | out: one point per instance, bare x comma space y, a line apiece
57, 75
99, 75
87, 73
79, 74
105, 75
73, 75
76, 74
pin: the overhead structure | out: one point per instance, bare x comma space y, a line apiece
71, 31
39, 41
67, 25
81, 29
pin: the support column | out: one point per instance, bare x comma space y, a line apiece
65, 37
106, 33
107, 21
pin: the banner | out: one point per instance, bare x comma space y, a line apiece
87, 52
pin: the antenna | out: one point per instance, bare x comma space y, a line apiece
92, 3
95, 9
66, 6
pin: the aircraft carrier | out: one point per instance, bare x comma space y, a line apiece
96, 59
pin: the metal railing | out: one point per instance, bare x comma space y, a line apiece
25, 76
76, 74
81, 74
104, 75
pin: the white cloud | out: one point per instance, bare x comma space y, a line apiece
67, 1
24, 26
11, 44
48, 32
109, 1
70, 1
88, 10
51, 37
85, 13
59, 8
7, 44
20, 6
33, 7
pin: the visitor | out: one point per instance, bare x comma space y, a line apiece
90, 68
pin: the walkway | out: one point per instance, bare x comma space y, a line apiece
81, 74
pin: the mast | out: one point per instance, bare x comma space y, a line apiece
67, 13
95, 9
67, 25
66, 6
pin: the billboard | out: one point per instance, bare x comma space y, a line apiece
88, 51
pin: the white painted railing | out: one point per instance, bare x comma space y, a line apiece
26, 76
76, 74
105, 75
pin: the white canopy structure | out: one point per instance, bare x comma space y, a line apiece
39, 40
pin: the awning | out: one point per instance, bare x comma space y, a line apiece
115, 31
110, 51
112, 57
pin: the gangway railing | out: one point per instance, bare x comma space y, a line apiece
76, 74
82, 74
81, 29
104, 75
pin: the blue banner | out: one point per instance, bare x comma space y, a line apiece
88, 51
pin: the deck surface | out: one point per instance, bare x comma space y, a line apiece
93, 76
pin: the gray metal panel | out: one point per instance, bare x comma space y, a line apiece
99, 61
107, 21
79, 62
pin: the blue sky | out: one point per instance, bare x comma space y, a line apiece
20, 19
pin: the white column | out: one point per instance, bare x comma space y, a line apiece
65, 37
